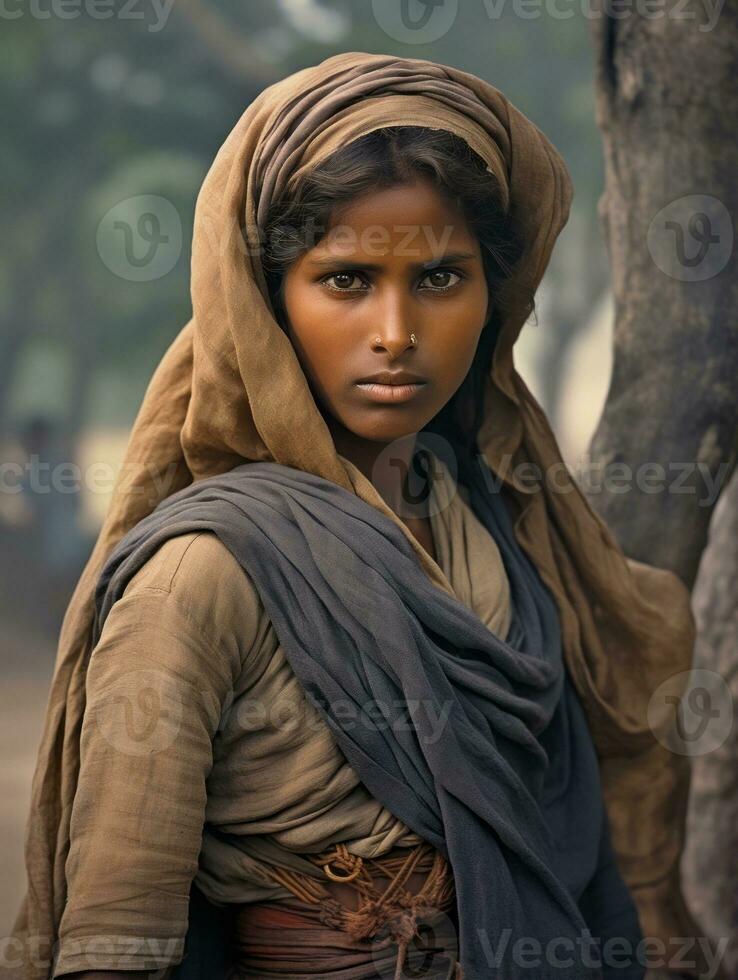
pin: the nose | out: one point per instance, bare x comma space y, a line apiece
396, 324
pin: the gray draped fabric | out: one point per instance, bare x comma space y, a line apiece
510, 791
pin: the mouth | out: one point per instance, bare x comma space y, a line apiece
390, 393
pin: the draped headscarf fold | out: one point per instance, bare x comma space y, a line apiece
230, 390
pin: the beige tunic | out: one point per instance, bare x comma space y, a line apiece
196, 726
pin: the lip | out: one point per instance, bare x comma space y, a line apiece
390, 393
392, 378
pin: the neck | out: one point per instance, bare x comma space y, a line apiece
385, 465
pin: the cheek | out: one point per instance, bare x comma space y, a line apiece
458, 332
459, 358
309, 311
314, 330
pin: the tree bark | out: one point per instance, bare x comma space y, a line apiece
667, 95
710, 862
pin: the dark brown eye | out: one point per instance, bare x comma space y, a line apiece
343, 281
442, 274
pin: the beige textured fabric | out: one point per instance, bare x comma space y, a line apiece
230, 389
192, 636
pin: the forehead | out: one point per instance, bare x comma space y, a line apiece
413, 221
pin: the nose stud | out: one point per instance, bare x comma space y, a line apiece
413, 340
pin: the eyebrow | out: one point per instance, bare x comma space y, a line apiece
337, 263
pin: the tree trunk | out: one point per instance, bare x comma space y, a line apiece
710, 862
665, 446
667, 98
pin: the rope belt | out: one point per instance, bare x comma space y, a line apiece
393, 907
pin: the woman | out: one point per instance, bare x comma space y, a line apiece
274, 542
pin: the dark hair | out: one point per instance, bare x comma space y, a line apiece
398, 155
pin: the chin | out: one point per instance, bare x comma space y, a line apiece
385, 430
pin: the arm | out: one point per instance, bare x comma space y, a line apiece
156, 686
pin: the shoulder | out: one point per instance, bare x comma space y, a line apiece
193, 579
187, 564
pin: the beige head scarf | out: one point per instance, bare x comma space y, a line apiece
230, 388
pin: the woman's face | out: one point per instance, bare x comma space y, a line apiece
394, 262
